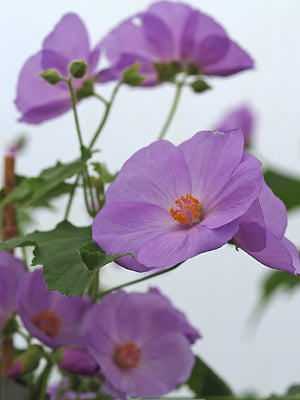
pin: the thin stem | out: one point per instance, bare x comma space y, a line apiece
104, 119
94, 286
99, 97
172, 110
71, 197
44, 380
73, 99
139, 280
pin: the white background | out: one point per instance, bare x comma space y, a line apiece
220, 289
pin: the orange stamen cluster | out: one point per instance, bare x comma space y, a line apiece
48, 322
187, 209
128, 355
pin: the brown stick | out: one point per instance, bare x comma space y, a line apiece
9, 231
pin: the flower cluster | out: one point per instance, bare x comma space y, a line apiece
167, 204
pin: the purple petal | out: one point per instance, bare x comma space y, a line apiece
78, 362
252, 229
173, 247
211, 158
210, 50
37, 99
156, 174
69, 38
235, 60
239, 118
235, 198
274, 211
174, 16
51, 59
277, 254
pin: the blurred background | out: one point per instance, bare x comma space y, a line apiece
218, 290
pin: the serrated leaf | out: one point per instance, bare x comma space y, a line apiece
30, 190
57, 251
287, 188
205, 382
95, 258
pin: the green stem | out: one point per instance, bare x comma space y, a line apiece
139, 280
172, 110
104, 119
94, 286
73, 99
99, 97
71, 197
44, 380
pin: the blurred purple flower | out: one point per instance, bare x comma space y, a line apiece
189, 332
51, 317
11, 272
261, 233
36, 99
137, 340
171, 35
77, 362
172, 203
241, 118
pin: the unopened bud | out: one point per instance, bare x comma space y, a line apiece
77, 362
199, 86
26, 362
51, 76
78, 69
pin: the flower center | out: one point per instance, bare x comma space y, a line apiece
48, 322
187, 210
128, 355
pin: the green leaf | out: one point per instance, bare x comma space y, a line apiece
275, 282
205, 382
95, 258
31, 190
104, 174
57, 251
131, 75
287, 188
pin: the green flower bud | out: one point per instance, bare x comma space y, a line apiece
27, 361
78, 69
51, 76
199, 86
86, 90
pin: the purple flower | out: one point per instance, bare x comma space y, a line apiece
77, 361
242, 118
36, 99
189, 332
172, 203
137, 340
11, 272
171, 37
51, 317
261, 233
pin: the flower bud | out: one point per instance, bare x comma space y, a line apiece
199, 86
26, 362
78, 69
51, 76
131, 76
77, 362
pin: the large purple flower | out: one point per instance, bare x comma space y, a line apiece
11, 272
261, 233
242, 118
138, 341
171, 203
39, 101
168, 38
51, 317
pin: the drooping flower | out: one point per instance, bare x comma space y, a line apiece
36, 99
172, 203
11, 272
169, 38
241, 118
261, 233
137, 340
51, 317
77, 361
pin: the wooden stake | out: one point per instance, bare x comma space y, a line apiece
9, 231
